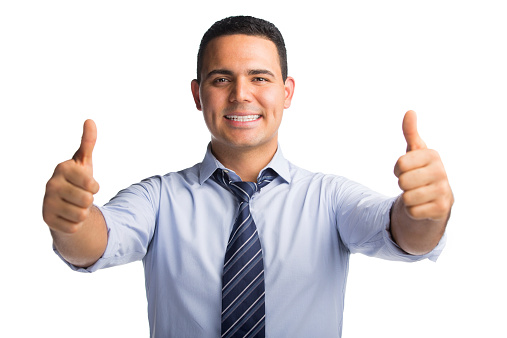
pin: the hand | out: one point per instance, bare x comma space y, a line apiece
69, 192
422, 177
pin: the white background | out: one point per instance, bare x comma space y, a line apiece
358, 67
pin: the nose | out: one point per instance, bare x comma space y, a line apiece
240, 91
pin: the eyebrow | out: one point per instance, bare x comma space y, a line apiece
219, 72
230, 73
260, 72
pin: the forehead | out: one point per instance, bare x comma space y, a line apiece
241, 51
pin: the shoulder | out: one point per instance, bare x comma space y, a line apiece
154, 184
188, 175
300, 176
331, 187
170, 181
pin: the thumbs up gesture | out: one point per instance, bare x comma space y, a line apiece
83, 155
69, 192
422, 177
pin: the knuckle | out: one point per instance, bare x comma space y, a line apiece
451, 198
62, 167
82, 214
51, 186
88, 183
443, 189
402, 163
48, 207
59, 168
396, 171
47, 216
448, 203
438, 167
64, 226
51, 219
88, 199
441, 207
71, 228
406, 199
412, 212
434, 154
402, 182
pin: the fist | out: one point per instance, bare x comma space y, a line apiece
69, 192
422, 177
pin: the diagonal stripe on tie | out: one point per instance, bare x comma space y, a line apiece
243, 305
257, 280
239, 254
256, 328
242, 272
245, 321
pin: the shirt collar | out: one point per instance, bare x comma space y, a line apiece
209, 164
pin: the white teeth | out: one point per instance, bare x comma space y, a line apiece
244, 118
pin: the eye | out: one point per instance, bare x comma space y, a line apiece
260, 79
220, 80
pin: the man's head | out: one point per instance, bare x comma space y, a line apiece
241, 91
245, 25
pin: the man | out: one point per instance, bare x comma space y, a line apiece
286, 238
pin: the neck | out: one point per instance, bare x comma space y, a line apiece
246, 162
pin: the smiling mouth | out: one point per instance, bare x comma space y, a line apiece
242, 118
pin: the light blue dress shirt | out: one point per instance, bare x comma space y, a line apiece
308, 223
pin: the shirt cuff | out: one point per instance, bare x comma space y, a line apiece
396, 251
102, 262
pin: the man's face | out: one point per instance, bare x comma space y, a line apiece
242, 94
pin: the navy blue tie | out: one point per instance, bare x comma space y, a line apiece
243, 311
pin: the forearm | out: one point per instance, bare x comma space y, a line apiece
415, 236
85, 246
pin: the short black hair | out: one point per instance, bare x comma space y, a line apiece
247, 25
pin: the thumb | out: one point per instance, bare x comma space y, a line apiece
84, 154
414, 141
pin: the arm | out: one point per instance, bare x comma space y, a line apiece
78, 228
415, 236
420, 215
85, 246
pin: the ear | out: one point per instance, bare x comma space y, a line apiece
289, 91
195, 93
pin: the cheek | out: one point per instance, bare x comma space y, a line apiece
206, 107
210, 103
206, 99
272, 100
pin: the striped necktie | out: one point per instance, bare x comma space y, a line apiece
243, 310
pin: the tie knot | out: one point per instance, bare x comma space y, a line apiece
244, 190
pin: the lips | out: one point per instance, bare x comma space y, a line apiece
242, 118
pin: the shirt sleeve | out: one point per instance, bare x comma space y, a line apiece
363, 221
130, 219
